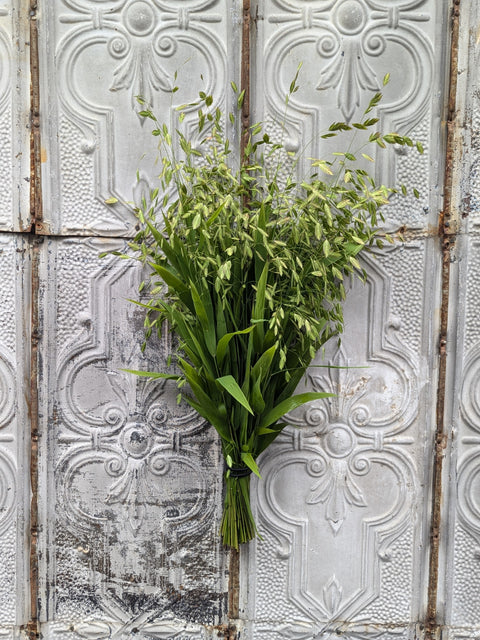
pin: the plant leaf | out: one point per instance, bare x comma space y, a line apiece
153, 374
263, 364
219, 424
205, 315
259, 309
174, 283
224, 340
249, 460
231, 385
290, 404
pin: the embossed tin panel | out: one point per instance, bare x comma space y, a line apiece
130, 488
14, 433
344, 504
346, 47
14, 116
130, 482
459, 600
95, 59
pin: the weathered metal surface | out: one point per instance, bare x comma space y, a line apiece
346, 48
448, 226
94, 61
130, 483
245, 74
14, 436
340, 555
32, 628
36, 155
14, 116
343, 506
458, 596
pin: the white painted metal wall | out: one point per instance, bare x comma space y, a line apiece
129, 489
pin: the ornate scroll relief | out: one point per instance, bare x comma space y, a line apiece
8, 471
13, 429
6, 203
112, 54
338, 490
14, 116
469, 465
133, 471
347, 46
163, 630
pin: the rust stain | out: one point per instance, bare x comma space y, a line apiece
245, 75
43, 154
33, 628
230, 632
35, 142
224, 631
33, 625
234, 585
447, 233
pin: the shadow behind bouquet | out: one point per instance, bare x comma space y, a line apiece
248, 270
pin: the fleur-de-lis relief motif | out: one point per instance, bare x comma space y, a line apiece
353, 631
161, 630
134, 486
336, 490
348, 36
336, 486
130, 430
140, 70
332, 595
144, 34
349, 69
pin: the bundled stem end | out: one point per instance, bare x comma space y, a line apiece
238, 525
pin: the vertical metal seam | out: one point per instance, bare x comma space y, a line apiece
36, 152
245, 75
234, 564
33, 628
447, 238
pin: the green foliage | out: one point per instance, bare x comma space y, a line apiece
248, 271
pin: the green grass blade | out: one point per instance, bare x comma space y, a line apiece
263, 364
219, 424
249, 461
231, 386
175, 283
153, 374
204, 311
215, 214
290, 404
259, 309
224, 341
256, 398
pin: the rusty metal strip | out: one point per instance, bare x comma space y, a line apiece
36, 213
234, 564
447, 233
234, 585
33, 628
245, 75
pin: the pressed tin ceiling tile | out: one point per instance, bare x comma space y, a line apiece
95, 59
14, 116
131, 484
